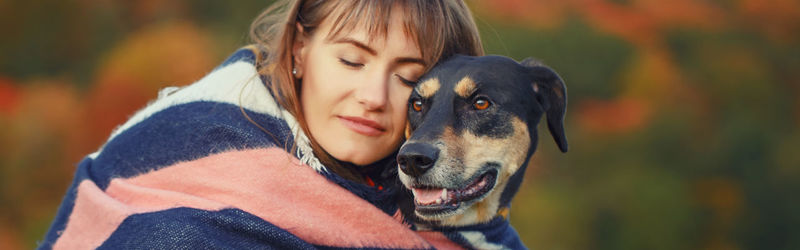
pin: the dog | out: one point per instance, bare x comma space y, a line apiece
472, 128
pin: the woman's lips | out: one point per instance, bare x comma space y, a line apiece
362, 126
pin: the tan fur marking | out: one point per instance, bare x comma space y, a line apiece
408, 130
559, 91
458, 217
503, 212
481, 210
453, 150
465, 87
512, 149
510, 152
429, 87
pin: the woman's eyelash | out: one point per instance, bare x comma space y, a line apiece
406, 82
349, 63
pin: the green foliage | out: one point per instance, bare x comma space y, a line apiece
589, 68
683, 131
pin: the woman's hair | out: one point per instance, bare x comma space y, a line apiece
441, 29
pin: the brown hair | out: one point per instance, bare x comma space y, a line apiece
441, 28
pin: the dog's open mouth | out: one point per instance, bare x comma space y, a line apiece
439, 200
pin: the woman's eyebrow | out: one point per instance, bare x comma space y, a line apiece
357, 44
371, 51
404, 60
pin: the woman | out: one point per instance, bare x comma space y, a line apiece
300, 157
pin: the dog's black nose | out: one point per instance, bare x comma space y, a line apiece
416, 158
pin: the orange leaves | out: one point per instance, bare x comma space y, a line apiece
133, 72
682, 13
724, 199
8, 96
615, 116
535, 13
9, 238
47, 125
652, 80
145, 10
643, 22
653, 75
635, 27
722, 195
35, 142
50, 105
155, 57
779, 19
640, 22
48, 116
167, 54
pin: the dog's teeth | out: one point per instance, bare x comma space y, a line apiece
439, 201
444, 194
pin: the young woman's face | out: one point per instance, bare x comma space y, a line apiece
355, 88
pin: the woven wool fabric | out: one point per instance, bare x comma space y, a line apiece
191, 171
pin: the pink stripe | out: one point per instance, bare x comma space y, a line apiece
94, 216
97, 214
268, 183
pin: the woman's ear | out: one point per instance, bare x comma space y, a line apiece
298, 50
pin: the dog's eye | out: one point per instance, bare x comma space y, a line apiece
416, 105
480, 103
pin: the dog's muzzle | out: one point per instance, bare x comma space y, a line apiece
417, 158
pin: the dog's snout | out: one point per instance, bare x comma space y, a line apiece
416, 158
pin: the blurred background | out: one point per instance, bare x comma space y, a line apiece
682, 122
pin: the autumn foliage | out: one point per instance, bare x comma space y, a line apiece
683, 115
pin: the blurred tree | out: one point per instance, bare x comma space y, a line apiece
683, 116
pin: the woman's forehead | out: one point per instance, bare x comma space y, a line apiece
373, 31
373, 20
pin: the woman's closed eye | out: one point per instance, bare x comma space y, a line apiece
410, 83
351, 63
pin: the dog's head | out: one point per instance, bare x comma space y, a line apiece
472, 126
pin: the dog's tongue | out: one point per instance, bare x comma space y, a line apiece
427, 196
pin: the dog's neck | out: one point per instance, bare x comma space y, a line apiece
494, 234
502, 213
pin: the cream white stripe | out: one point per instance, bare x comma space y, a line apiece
238, 84
478, 240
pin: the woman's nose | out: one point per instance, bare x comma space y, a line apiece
373, 93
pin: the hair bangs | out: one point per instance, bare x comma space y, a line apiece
372, 15
427, 17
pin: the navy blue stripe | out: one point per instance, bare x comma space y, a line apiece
359, 248
243, 55
188, 228
65, 209
497, 231
182, 133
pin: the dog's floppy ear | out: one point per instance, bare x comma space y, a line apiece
552, 95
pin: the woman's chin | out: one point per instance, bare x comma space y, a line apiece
357, 149
360, 156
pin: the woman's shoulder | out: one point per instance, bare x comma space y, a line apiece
250, 54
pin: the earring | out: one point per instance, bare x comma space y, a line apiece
294, 71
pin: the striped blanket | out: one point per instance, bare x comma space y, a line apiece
190, 170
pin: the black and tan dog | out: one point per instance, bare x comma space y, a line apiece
471, 132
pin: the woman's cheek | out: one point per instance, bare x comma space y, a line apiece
400, 109
400, 99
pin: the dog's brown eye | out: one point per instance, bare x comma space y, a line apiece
416, 105
480, 103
